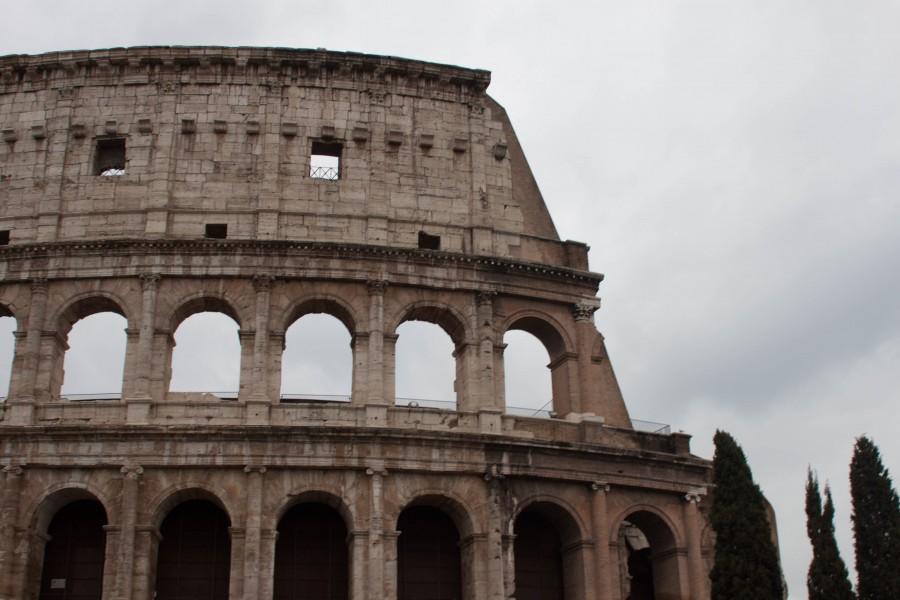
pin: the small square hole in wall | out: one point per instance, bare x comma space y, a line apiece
429, 242
325, 160
217, 231
4, 237
109, 158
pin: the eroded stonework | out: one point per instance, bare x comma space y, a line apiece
432, 214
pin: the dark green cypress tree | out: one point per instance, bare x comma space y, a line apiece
876, 524
746, 563
827, 578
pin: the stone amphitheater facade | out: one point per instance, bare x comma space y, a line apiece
212, 204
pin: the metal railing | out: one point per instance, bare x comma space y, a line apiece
651, 427
445, 405
328, 173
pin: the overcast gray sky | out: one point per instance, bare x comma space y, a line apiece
735, 167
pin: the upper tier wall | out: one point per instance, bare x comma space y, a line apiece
224, 136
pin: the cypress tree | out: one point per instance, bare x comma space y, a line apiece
876, 524
746, 563
827, 578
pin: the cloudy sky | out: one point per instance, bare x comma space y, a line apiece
734, 166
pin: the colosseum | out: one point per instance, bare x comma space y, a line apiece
268, 184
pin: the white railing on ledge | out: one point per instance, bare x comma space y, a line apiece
447, 405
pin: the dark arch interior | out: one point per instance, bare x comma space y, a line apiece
194, 553
538, 558
74, 553
647, 545
311, 555
428, 556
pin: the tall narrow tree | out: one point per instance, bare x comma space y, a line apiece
827, 578
876, 524
746, 563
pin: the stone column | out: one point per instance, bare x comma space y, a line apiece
130, 491
358, 541
143, 368
378, 567
268, 538
585, 333
259, 402
390, 565
600, 520
236, 571
359, 345
495, 558
247, 339
253, 531
490, 406
146, 545
23, 396
9, 511
692, 521
375, 388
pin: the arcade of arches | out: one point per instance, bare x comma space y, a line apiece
316, 552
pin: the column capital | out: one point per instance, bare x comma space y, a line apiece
600, 486
584, 311
39, 285
485, 297
255, 469
376, 286
370, 471
263, 282
13, 470
494, 473
149, 281
132, 472
695, 495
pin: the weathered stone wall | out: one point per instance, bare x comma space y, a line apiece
218, 135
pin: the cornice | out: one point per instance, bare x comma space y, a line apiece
216, 64
284, 247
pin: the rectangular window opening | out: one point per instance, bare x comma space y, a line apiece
4, 237
217, 231
429, 242
325, 160
109, 160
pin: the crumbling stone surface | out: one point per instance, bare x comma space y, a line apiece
432, 214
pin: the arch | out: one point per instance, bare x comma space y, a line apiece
545, 328
163, 503
527, 382
203, 302
96, 336
56, 497
312, 555
445, 316
193, 555
452, 504
560, 512
623, 515
87, 304
648, 553
328, 498
550, 561
74, 552
318, 358
9, 326
206, 354
429, 556
321, 304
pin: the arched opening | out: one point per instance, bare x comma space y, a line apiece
7, 349
539, 563
75, 552
529, 388
648, 558
95, 359
194, 555
561, 363
207, 354
429, 564
549, 557
311, 554
317, 363
426, 367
